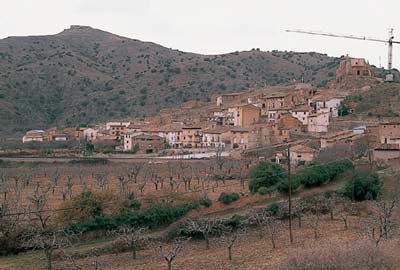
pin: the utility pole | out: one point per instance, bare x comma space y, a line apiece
290, 194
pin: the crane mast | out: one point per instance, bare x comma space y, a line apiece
390, 41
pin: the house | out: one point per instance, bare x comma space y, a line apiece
327, 103
191, 137
240, 138
385, 153
172, 134
143, 143
302, 113
273, 101
245, 115
384, 133
90, 134
291, 123
257, 135
301, 154
227, 98
275, 115
332, 139
214, 138
117, 129
353, 67
222, 117
35, 136
318, 122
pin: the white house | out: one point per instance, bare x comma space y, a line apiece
325, 103
301, 114
318, 122
90, 134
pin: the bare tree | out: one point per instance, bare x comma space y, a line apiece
344, 210
205, 226
379, 224
40, 213
230, 236
70, 185
48, 241
102, 180
259, 217
134, 172
123, 185
219, 158
131, 237
170, 254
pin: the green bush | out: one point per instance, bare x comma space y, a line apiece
205, 202
263, 190
133, 202
156, 216
227, 198
320, 174
266, 174
273, 208
283, 186
363, 187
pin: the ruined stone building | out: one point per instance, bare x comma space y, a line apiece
353, 67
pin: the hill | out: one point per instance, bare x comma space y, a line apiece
85, 75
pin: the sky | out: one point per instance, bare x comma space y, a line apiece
218, 26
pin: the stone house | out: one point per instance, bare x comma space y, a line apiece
318, 122
353, 67
191, 137
327, 103
90, 134
384, 133
302, 114
245, 115
117, 129
215, 138
334, 138
301, 154
35, 136
144, 143
227, 98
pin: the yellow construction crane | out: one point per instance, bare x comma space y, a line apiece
390, 41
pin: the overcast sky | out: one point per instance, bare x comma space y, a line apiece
218, 26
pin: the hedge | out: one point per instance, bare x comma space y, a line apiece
320, 174
154, 217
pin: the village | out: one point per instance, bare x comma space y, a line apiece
259, 122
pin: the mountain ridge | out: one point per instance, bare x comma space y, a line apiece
86, 75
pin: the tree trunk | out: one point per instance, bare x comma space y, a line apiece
273, 241
207, 241
230, 253
345, 224
133, 248
49, 258
169, 265
261, 232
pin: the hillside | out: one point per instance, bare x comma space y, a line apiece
85, 75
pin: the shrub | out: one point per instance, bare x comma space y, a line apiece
156, 216
205, 202
320, 174
133, 202
266, 174
263, 190
363, 187
283, 186
227, 198
273, 208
